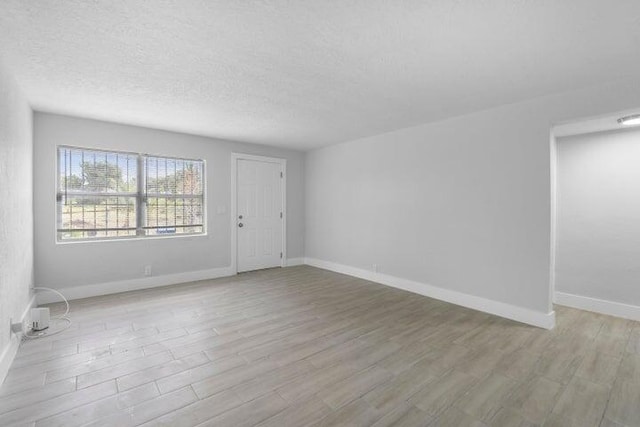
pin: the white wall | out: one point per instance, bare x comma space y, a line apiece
78, 265
16, 211
462, 205
598, 217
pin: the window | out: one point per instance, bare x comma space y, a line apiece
103, 195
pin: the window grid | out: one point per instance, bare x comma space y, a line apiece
104, 194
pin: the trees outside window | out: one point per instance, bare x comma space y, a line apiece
117, 195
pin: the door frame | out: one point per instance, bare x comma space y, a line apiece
235, 157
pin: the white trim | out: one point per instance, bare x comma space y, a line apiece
10, 351
234, 204
98, 289
601, 123
7, 356
553, 231
294, 261
258, 158
611, 308
234, 213
509, 311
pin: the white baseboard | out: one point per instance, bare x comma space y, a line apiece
610, 308
509, 311
10, 351
98, 289
520, 314
294, 261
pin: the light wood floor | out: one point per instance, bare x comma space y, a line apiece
303, 346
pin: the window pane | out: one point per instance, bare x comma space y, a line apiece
174, 215
90, 197
83, 217
173, 176
96, 171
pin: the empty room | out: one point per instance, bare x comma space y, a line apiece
320, 213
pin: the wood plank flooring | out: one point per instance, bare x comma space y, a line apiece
302, 346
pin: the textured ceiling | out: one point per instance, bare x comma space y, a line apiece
303, 74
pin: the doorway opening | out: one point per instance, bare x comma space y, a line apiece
595, 206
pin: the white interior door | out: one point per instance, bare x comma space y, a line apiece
259, 214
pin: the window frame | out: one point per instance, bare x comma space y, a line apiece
140, 198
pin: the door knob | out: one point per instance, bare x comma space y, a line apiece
240, 225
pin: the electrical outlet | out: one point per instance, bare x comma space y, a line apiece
147, 270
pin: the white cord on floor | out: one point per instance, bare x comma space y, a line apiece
42, 334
